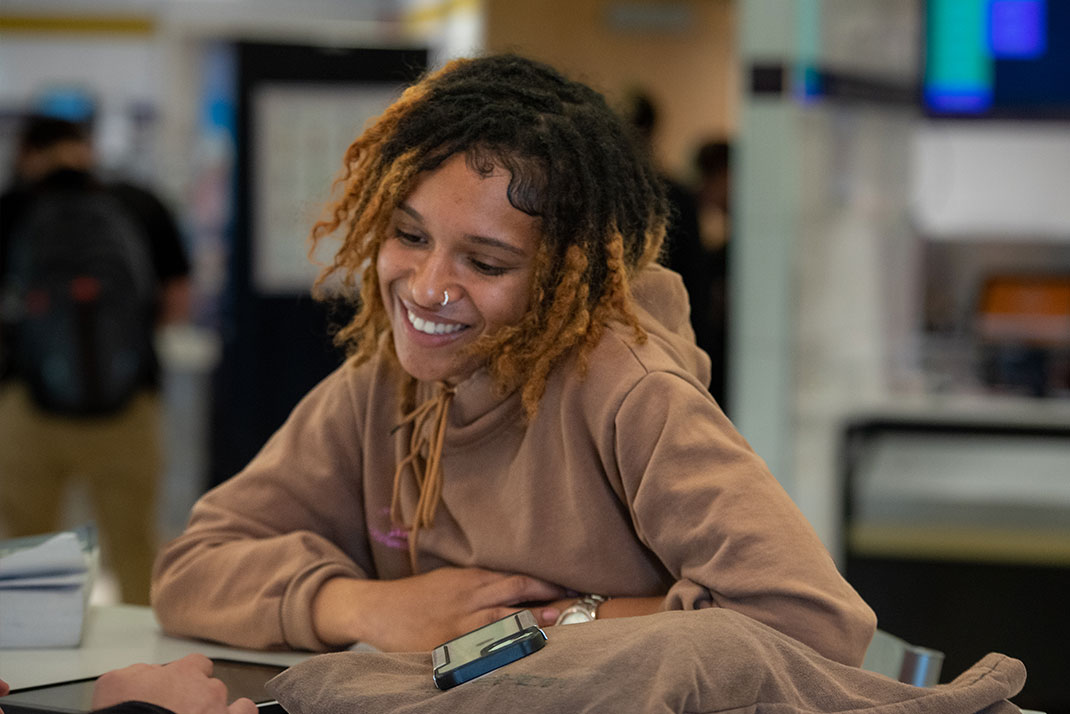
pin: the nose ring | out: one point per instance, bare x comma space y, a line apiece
445, 298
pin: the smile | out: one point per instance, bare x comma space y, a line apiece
432, 328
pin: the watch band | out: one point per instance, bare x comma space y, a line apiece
583, 610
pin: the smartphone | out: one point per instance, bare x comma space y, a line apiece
243, 679
486, 649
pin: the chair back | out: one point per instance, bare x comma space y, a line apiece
896, 658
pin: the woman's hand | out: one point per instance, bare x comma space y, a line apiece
184, 686
423, 611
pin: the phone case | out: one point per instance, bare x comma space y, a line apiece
486, 649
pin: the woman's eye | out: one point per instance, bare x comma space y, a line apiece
488, 269
408, 238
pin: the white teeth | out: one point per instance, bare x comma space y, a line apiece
432, 328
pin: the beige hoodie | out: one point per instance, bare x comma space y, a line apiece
630, 481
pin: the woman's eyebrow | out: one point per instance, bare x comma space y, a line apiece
406, 208
495, 243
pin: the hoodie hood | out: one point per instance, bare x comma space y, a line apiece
665, 313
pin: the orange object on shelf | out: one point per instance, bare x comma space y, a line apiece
1023, 308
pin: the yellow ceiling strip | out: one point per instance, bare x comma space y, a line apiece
436, 12
111, 25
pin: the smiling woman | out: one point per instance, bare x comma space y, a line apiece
523, 417
456, 231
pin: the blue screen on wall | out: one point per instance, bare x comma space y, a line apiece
997, 58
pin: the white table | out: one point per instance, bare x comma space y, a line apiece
117, 636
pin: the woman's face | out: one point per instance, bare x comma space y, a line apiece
455, 235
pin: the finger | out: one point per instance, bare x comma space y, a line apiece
477, 577
242, 706
130, 672
515, 589
215, 689
195, 661
546, 616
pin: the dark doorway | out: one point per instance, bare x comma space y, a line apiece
276, 342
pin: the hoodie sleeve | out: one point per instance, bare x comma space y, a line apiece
709, 508
259, 546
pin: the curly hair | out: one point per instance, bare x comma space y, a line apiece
572, 163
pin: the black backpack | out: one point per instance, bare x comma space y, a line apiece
79, 297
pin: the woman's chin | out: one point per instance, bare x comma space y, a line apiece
453, 371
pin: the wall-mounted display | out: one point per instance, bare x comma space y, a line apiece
997, 59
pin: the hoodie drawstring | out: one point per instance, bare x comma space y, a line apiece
428, 473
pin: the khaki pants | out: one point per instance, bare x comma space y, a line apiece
117, 455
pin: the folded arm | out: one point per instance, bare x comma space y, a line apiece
709, 508
259, 547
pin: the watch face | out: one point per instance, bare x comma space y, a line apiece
571, 618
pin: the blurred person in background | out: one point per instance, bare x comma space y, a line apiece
684, 252
88, 269
713, 166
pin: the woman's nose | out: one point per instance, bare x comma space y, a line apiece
431, 282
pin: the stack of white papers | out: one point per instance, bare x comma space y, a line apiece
44, 588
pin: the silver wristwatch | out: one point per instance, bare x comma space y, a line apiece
583, 610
